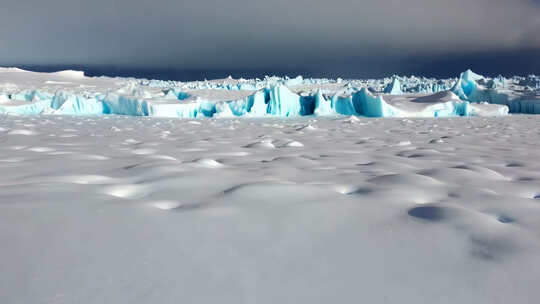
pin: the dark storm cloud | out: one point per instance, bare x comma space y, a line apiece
247, 34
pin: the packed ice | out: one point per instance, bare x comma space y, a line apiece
72, 93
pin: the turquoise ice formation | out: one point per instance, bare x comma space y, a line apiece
469, 95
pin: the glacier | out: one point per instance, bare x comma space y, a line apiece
72, 93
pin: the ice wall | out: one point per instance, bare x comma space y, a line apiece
276, 101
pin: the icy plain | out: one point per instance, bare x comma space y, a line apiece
311, 209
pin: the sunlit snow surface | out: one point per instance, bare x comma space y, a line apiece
310, 209
118, 209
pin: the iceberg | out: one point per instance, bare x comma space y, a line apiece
283, 102
322, 106
258, 104
474, 88
165, 108
72, 104
23, 107
124, 105
394, 88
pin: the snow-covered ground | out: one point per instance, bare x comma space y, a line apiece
119, 209
315, 208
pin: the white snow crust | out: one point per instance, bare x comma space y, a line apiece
120, 209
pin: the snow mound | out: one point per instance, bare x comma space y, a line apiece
167, 205
70, 74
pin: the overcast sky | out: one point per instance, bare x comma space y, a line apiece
374, 35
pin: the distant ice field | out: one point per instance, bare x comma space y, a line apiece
72, 93
309, 209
